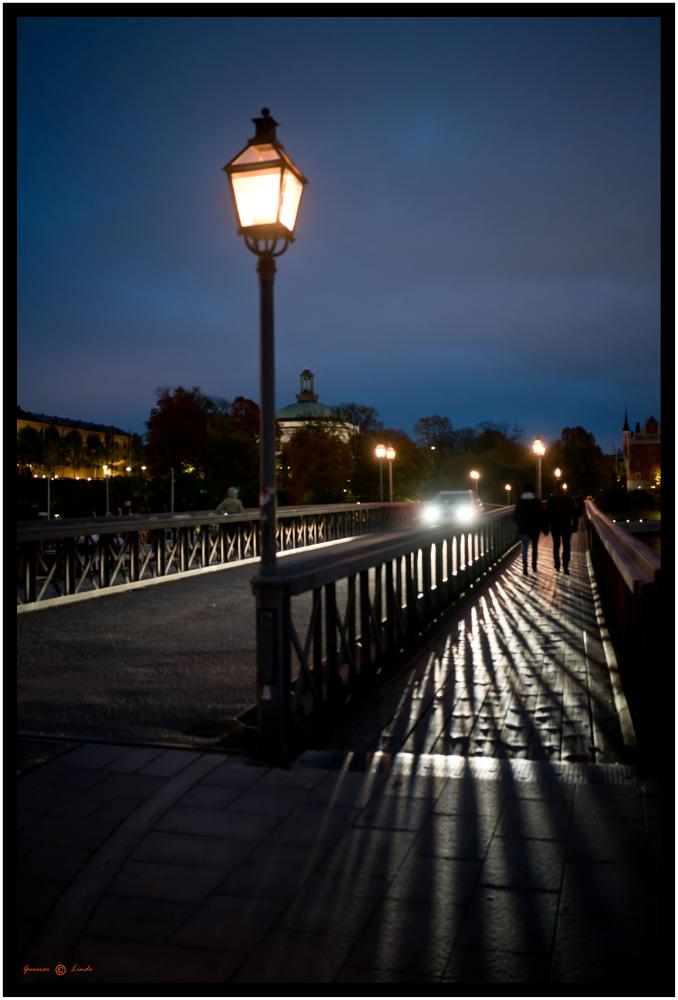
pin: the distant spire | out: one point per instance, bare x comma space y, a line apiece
626, 422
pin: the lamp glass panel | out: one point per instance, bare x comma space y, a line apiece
256, 154
291, 197
257, 196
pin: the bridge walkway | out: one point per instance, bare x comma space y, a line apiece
477, 820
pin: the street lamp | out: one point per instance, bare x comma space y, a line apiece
380, 452
539, 450
475, 476
107, 476
390, 455
508, 493
266, 189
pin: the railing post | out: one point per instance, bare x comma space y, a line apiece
134, 565
273, 665
30, 571
365, 632
332, 655
183, 549
69, 565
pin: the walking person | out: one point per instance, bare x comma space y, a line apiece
529, 517
563, 518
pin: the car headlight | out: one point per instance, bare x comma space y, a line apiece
465, 514
431, 513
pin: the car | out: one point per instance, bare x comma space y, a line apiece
456, 506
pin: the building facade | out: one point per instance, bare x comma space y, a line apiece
642, 454
70, 448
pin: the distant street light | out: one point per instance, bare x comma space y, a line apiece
475, 476
539, 450
380, 452
266, 189
107, 475
508, 493
390, 455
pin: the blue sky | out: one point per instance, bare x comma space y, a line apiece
479, 237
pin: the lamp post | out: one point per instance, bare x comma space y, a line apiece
390, 455
475, 476
539, 450
380, 452
508, 493
107, 476
266, 189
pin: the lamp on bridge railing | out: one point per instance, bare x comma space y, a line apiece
266, 189
475, 476
539, 450
508, 493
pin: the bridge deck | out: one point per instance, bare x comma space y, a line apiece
520, 672
473, 822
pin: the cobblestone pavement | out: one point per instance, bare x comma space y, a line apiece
488, 830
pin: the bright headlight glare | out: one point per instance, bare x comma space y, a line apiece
465, 514
431, 513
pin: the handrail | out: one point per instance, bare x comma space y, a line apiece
309, 570
637, 564
66, 527
77, 557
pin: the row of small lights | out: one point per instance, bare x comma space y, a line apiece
107, 472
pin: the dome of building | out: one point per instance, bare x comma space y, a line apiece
306, 411
308, 408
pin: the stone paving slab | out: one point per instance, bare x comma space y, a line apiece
406, 868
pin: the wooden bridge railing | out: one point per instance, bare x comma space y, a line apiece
628, 575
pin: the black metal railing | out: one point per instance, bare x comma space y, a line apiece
64, 558
628, 576
326, 626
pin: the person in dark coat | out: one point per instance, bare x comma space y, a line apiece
563, 518
529, 517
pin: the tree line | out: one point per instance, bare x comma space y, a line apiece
214, 441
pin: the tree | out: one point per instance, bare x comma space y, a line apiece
585, 468
231, 458
246, 416
178, 429
435, 434
316, 466
29, 450
53, 449
74, 449
363, 418
95, 451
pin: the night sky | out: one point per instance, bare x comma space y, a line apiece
479, 237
